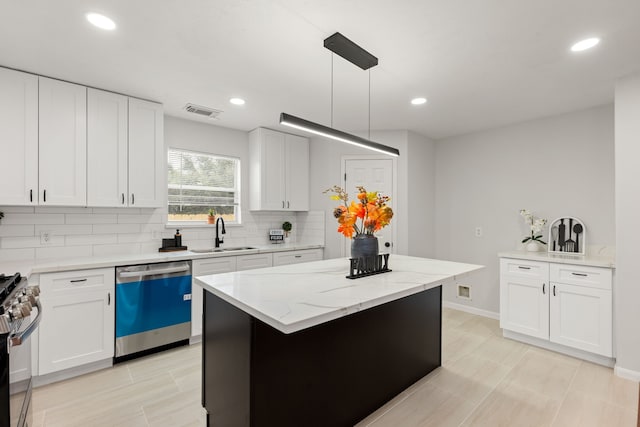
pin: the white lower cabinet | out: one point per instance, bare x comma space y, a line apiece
203, 267
77, 324
296, 257
565, 304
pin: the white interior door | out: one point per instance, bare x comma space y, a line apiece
374, 175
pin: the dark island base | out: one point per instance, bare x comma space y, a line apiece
334, 374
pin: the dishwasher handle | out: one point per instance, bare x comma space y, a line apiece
154, 272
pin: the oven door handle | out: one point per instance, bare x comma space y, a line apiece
18, 339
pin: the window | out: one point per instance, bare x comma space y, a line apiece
198, 182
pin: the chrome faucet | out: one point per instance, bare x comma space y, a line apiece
219, 241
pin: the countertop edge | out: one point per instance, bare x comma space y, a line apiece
28, 268
593, 261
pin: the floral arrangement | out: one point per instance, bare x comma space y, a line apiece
371, 209
535, 224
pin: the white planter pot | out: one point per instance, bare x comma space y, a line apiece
532, 247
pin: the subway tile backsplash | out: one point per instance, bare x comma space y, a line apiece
81, 232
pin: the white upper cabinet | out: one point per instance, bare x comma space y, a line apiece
62, 143
107, 149
147, 158
18, 138
279, 171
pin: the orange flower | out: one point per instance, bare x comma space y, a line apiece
371, 208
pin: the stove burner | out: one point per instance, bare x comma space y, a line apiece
7, 285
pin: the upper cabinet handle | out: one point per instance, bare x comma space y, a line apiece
44, 196
133, 199
31, 195
123, 198
579, 274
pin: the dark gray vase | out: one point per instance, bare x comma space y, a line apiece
364, 245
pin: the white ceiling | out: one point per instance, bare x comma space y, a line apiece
481, 64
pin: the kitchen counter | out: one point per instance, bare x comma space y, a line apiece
590, 260
285, 342
294, 297
27, 268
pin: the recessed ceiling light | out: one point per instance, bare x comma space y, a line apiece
101, 21
237, 101
585, 44
418, 101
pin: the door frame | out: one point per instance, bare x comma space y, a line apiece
394, 186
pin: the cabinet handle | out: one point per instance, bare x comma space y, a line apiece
287, 204
579, 274
109, 298
44, 195
133, 199
78, 280
543, 292
524, 268
297, 256
31, 195
283, 204
123, 198
554, 290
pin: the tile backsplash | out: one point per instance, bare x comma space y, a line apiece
81, 232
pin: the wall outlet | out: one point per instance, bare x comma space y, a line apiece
478, 232
45, 237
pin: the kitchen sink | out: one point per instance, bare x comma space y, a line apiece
229, 249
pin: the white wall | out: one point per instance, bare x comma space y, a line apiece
627, 181
557, 166
414, 172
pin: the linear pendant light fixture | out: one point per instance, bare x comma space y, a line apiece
353, 53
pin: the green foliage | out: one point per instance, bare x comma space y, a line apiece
286, 226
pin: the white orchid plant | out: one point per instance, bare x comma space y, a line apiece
535, 224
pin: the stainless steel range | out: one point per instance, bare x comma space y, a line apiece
20, 313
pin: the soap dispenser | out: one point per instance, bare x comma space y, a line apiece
178, 238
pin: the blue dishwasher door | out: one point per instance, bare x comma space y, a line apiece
152, 304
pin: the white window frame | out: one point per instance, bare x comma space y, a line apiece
237, 191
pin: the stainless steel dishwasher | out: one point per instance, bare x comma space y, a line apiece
153, 308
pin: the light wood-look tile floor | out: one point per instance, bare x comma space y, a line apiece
485, 380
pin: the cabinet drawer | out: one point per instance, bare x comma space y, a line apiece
591, 277
249, 262
214, 265
524, 268
102, 278
295, 257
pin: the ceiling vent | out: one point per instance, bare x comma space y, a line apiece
208, 112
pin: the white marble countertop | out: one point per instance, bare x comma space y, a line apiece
295, 297
594, 261
27, 268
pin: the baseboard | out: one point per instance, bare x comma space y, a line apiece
472, 310
627, 373
65, 374
559, 348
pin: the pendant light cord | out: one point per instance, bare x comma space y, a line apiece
332, 55
369, 137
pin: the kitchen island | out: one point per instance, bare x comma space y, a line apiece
303, 345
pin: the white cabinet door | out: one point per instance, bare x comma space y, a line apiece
203, 267
249, 262
18, 138
77, 324
524, 297
62, 143
296, 257
147, 158
297, 173
106, 149
581, 317
279, 171
266, 152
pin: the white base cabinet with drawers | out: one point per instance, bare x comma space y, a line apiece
565, 304
77, 324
